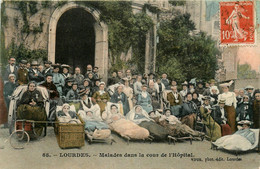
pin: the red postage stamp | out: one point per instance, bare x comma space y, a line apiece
237, 23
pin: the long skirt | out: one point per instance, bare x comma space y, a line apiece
189, 120
225, 129
231, 117
36, 113
155, 130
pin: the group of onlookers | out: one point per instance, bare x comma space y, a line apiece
191, 102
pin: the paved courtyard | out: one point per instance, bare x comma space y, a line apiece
136, 155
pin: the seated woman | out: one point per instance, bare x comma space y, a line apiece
66, 115
173, 125
144, 99
125, 128
139, 116
243, 139
213, 129
87, 105
31, 107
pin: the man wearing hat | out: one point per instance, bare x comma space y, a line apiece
58, 79
184, 90
249, 91
11, 68
54, 94
220, 116
47, 68
35, 74
199, 89
22, 73
101, 97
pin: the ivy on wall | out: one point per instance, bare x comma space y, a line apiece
125, 29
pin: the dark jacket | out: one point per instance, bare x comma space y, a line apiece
244, 111
22, 76
188, 108
115, 98
217, 115
51, 86
33, 77
35, 95
8, 72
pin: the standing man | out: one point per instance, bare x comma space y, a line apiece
96, 74
22, 73
35, 74
11, 68
47, 68
78, 77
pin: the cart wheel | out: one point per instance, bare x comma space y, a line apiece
19, 139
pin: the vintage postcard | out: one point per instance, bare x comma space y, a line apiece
138, 84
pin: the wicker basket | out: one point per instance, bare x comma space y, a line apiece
70, 135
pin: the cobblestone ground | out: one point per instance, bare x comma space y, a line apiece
144, 155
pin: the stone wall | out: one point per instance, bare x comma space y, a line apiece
242, 83
13, 28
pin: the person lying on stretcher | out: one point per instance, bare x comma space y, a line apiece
66, 115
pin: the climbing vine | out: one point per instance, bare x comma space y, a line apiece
125, 30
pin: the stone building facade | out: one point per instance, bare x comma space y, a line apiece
47, 18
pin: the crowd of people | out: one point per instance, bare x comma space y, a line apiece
171, 106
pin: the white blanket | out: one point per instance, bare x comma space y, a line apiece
236, 142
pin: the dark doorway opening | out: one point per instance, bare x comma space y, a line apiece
75, 39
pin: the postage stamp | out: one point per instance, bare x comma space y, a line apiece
237, 23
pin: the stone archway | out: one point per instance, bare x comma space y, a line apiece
101, 36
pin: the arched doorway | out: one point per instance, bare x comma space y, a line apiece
101, 36
75, 39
